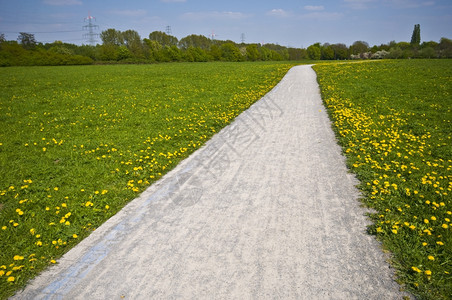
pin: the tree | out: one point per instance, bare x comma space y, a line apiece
155, 50
230, 52
215, 52
27, 40
327, 52
416, 36
340, 51
359, 47
197, 41
130, 37
445, 48
2, 38
132, 41
112, 37
163, 38
123, 53
108, 52
314, 51
252, 52
427, 52
296, 54
196, 54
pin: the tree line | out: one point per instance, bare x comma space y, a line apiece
128, 47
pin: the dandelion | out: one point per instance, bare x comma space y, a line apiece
445, 226
11, 279
428, 272
430, 257
416, 269
18, 257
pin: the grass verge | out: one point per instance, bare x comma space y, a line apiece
393, 121
77, 143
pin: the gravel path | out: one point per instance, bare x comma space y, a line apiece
266, 209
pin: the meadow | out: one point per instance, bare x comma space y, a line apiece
393, 120
77, 143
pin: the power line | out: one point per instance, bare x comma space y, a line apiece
90, 36
33, 32
168, 30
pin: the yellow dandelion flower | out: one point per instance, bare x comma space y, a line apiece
416, 269
11, 279
430, 257
445, 226
428, 272
18, 257
75, 236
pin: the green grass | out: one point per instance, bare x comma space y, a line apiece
78, 143
393, 120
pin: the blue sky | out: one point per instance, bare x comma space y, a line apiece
295, 23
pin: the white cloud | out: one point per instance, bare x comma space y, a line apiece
409, 3
358, 4
215, 15
129, 13
63, 2
314, 7
279, 12
323, 16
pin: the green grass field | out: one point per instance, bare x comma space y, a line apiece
394, 122
78, 143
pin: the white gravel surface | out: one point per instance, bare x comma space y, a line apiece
265, 210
